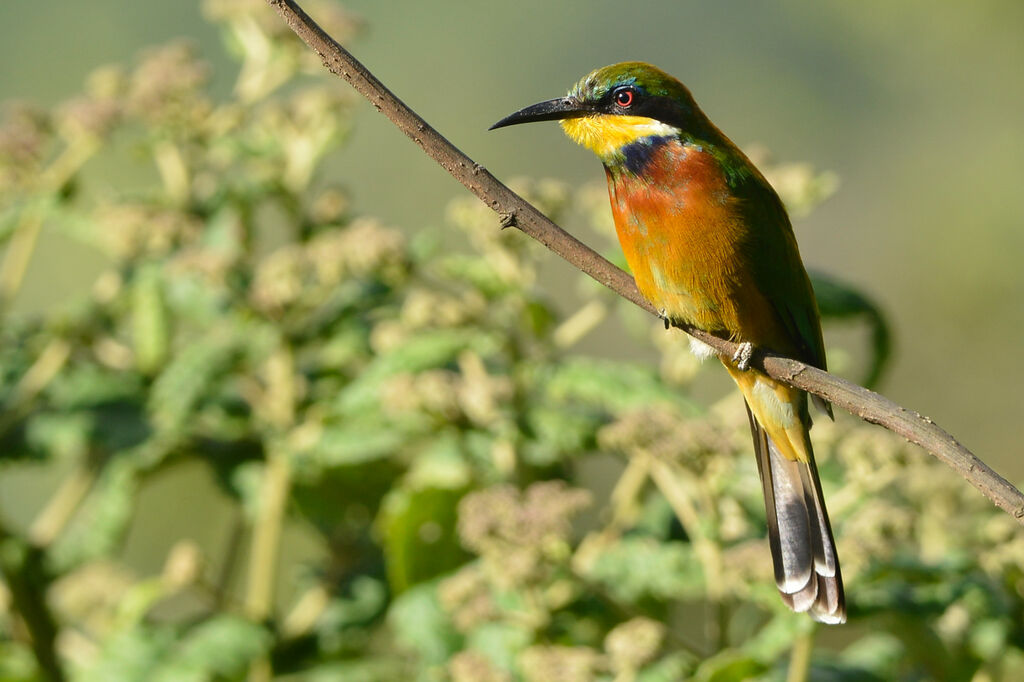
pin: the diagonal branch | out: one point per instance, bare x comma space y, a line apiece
516, 212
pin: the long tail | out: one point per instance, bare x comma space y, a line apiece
803, 550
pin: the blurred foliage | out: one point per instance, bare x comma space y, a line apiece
419, 407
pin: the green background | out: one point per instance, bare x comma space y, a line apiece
916, 105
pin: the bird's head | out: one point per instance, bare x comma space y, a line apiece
615, 106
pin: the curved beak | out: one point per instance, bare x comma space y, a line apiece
552, 110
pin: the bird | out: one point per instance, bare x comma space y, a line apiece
710, 245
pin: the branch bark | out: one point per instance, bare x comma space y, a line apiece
516, 212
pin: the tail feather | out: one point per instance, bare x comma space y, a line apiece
803, 599
803, 550
826, 561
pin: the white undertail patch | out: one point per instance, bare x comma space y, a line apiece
702, 350
771, 407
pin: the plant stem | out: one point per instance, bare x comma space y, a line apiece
35, 379
263, 557
17, 257
668, 479
800, 658
22, 244
625, 496
62, 506
581, 323
277, 407
22, 567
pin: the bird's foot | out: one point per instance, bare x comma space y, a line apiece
743, 355
663, 314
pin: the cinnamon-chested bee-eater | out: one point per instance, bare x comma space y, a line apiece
709, 244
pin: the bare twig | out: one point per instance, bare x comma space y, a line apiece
515, 211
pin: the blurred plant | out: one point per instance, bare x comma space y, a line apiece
420, 409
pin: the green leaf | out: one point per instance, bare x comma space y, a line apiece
557, 433
17, 664
363, 437
222, 647
24, 208
369, 599
613, 386
61, 435
247, 483
130, 655
86, 385
422, 351
419, 624
477, 272
879, 652
149, 319
368, 668
186, 379
97, 529
501, 643
776, 637
729, 666
988, 638
637, 568
670, 668
419, 538
840, 301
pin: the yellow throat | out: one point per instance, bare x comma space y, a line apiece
606, 134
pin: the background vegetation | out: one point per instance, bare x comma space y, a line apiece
291, 441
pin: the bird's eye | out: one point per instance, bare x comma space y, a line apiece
624, 97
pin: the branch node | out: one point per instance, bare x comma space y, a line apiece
507, 219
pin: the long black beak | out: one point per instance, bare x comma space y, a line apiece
552, 110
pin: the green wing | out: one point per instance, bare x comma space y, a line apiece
777, 270
779, 273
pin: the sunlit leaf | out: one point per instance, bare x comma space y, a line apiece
418, 623
637, 568
150, 332
611, 386
220, 648
104, 518
428, 350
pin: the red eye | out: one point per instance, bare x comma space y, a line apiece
624, 98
